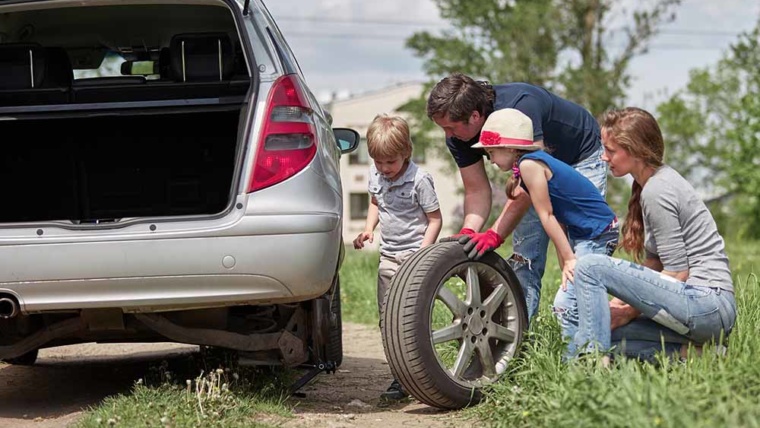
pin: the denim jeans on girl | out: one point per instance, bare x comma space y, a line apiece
565, 307
530, 241
679, 312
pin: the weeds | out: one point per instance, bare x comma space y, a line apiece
221, 397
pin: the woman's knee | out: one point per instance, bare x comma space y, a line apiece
587, 267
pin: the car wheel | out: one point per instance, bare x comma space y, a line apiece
451, 325
334, 348
27, 359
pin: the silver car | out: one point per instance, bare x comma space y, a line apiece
166, 176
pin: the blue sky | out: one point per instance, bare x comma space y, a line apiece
354, 46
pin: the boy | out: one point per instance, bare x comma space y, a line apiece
403, 201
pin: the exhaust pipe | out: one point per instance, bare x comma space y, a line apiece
8, 307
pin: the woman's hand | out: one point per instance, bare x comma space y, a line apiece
621, 313
364, 236
568, 271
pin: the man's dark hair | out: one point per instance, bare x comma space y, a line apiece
458, 95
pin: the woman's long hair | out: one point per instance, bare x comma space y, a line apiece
637, 132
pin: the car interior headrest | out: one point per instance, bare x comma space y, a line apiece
22, 66
201, 57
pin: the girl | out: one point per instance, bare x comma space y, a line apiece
566, 202
682, 291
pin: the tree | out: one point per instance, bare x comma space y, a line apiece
597, 76
572, 47
712, 132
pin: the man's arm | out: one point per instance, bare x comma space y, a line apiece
477, 195
513, 212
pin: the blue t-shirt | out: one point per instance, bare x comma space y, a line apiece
570, 133
576, 202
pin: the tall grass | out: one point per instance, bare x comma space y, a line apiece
539, 390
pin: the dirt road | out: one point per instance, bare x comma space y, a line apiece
67, 380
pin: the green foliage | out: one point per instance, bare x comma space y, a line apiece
712, 131
598, 76
497, 40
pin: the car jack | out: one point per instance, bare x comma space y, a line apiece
314, 370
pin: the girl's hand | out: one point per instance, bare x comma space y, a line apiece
568, 271
364, 236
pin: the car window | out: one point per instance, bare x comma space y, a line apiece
111, 66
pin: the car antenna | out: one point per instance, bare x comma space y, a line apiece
245, 7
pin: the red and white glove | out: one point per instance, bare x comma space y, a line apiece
463, 236
481, 243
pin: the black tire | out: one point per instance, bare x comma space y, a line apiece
27, 359
334, 348
407, 321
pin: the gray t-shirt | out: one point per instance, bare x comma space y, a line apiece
680, 230
402, 205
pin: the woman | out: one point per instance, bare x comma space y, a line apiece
682, 290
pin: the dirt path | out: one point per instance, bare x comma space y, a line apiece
67, 380
350, 397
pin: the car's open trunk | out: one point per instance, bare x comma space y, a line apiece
101, 168
134, 113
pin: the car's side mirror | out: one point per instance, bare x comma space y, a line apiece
347, 139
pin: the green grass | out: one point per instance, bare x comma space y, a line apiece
358, 286
539, 390
238, 397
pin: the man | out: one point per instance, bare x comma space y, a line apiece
460, 105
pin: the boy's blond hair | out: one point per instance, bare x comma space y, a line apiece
388, 136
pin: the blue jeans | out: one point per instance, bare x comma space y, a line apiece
565, 307
530, 241
672, 311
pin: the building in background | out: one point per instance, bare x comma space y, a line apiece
357, 112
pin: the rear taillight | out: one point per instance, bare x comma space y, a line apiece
288, 141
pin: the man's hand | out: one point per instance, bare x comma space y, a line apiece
621, 313
364, 236
462, 237
481, 243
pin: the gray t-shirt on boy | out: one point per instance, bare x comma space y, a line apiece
402, 205
680, 230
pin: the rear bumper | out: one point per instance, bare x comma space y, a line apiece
259, 259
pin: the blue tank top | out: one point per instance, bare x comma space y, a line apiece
576, 202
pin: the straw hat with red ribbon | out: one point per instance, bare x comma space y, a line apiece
507, 128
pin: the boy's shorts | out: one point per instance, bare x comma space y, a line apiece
389, 264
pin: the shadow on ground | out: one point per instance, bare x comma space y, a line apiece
59, 385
